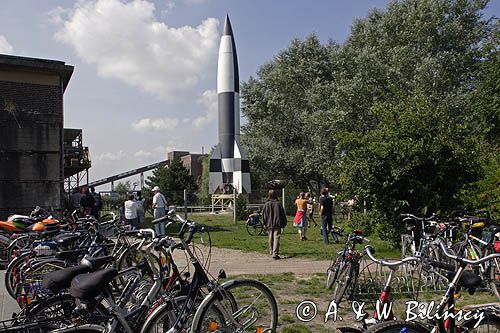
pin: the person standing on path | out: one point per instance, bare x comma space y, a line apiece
274, 218
326, 212
300, 220
159, 206
131, 213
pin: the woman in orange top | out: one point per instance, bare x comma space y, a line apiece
300, 220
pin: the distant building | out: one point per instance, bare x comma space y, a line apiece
192, 162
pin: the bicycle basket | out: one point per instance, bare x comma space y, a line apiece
45, 248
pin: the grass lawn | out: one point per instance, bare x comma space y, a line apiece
291, 289
228, 235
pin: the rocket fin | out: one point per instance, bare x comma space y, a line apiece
215, 175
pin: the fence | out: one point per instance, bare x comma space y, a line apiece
254, 201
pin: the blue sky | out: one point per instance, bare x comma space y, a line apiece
145, 71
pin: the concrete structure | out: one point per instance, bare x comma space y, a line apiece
31, 133
229, 163
192, 162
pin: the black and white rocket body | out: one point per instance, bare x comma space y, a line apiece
229, 163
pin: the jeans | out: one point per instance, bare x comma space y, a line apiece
159, 227
326, 228
134, 223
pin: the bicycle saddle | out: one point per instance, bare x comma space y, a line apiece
67, 240
96, 263
88, 286
468, 280
59, 280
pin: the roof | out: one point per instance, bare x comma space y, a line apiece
40, 65
70, 134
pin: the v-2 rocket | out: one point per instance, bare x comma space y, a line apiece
229, 163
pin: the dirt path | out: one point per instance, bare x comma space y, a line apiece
236, 262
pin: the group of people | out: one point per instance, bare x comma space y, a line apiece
85, 201
274, 217
305, 211
133, 210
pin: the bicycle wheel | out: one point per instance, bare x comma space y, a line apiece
131, 257
491, 323
164, 316
331, 273
494, 277
19, 244
58, 310
343, 280
254, 229
256, 309
30, 285
12, 273
398, 326
469, 251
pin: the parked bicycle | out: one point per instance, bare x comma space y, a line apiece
255, 225
461, 279
344, 268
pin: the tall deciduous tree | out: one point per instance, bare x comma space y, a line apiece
411, 70
391, 114
285, 106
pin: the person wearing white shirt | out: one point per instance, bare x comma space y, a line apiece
131, 213
159, 206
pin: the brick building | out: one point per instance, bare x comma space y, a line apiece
31, 133
192, 162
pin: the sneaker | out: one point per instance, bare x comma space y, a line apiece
276, 257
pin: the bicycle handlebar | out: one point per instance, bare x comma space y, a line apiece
369, 251
413, 217
467, 261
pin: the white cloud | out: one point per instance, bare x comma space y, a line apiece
111, 156
208, 100
143, 154
126, 41
159, 124
5, 46
157, 153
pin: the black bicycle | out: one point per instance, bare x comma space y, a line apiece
344, 268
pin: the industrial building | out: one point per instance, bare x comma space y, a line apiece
33, 141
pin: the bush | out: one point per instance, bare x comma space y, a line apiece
242, 211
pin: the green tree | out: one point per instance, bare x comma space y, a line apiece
172, 181
285, 106
391, 114
122, 188
203, 181
404, 92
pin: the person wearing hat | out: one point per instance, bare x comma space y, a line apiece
159, 205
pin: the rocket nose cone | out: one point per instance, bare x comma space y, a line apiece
228, 30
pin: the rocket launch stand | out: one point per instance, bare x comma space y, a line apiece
223, 200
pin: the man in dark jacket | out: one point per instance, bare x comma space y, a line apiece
274, 218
